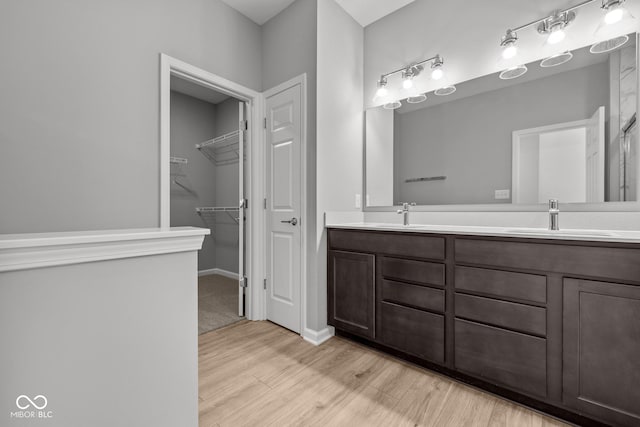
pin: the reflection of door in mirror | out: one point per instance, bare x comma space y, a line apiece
563, 161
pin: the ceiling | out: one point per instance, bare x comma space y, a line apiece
366, 12
363, 11
259, 11
192, 89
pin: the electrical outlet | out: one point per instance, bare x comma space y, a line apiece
358, 201
502, 194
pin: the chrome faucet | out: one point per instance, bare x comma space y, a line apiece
553, 215
405, 212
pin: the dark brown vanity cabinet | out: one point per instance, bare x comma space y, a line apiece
554, 324
390, 288
601, 350
501, 321
410, 306
351, 292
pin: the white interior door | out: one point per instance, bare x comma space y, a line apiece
283, 205
242, 282
595, 157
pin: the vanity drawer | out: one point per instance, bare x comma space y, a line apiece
388, 243
611, 262
428, 273
412, 331
413, 295
521, 286
521, 317
515, 360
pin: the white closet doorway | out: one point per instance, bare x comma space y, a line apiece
206, 144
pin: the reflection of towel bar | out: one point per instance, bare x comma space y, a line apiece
426, 178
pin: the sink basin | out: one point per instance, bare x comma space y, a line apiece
545, 232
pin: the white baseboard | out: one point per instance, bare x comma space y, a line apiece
220, 272
318, 337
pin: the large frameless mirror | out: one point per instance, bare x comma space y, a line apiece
566, 129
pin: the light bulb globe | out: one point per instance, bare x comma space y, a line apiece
382, 92
407, 83
556, 36
437, 73
509, 52
614, 16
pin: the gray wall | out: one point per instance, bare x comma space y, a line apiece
193, 121
108, 343
289, 48
80, 103
469, 140
340, 130
225, 232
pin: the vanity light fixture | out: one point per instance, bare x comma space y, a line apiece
508, 43
436, 68
615, 11
382, 88
615, 15
408, 74
555, 24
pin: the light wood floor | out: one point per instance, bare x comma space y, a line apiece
258, 374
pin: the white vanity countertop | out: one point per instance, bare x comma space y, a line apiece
534, 233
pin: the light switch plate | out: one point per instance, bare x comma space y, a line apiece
502, 194
358, 201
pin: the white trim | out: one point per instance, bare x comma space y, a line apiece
28, 251
318, 337
253, 268
302, 81
219, 272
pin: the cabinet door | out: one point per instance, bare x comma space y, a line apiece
601, 350
351, 292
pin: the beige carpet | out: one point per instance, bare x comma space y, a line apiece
217, 302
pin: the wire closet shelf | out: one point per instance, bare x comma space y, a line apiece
208, 214
222, 150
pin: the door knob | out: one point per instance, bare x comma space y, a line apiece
292, 221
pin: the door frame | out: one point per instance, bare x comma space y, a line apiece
170, 66
304, 222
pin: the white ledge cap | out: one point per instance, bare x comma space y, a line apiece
34, 250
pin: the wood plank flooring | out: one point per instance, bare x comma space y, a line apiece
258, 374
